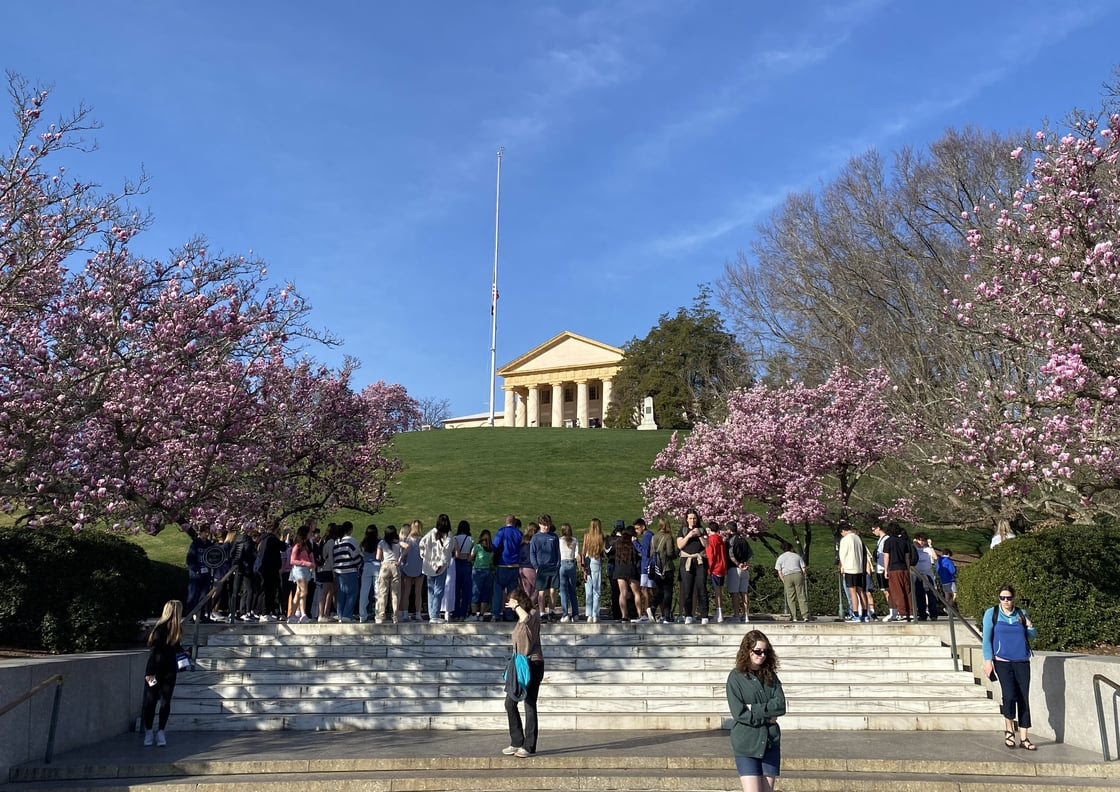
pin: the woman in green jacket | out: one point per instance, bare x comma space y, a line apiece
756, 701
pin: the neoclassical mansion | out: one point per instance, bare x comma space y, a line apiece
566, 381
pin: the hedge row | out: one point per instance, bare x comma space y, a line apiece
77, 592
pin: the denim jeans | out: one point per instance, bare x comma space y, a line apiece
347, 594
367, 599
435, 593
482, 585
593, 587
507, 582
569, 605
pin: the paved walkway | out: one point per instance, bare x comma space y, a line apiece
798, 747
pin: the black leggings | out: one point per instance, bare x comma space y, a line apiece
526, 739
159, 692
1015, 685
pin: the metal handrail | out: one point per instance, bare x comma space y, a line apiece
930, 584
55, 680
197, 609
1097, 680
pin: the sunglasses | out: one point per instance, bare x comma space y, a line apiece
1006, 599
758, 652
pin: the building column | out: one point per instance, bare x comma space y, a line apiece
605, 398
581, 403
523, 413
510, 410
558, 405
534, 401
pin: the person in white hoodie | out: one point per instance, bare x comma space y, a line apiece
435, 555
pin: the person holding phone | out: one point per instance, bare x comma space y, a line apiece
162, 670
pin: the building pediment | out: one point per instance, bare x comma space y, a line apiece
565, 352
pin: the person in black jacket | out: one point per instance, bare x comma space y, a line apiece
270, 557
162, 670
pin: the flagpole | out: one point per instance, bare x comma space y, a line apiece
494, 298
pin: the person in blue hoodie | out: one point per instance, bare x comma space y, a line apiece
1008, 632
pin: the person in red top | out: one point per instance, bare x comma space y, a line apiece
717, 565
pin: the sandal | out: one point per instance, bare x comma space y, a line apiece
1009, 739
1027, 745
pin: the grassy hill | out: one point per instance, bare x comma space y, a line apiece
480, 475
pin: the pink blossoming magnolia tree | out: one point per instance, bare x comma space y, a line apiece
1049, 431
138, 393
799, 451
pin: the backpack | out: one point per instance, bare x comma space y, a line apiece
654, 568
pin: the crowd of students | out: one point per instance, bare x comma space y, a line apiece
654, 573
307, 575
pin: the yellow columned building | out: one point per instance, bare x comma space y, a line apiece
566, 381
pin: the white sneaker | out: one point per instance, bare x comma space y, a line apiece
436, 620
565, 619
719, 617
161, 739
148, 736
688, 620
509, 750
521, 753
703, 621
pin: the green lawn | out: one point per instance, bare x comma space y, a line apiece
480, 475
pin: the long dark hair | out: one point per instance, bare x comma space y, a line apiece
443, 525
391, 537
624, 551
767, 672
369, 541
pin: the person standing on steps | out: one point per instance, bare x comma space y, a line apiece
739, 555
898, 557
692, 541
756, 701
1008, 632
527, 642
854, 567
544, 555
791, 571
507, 557
162, 670
435, 555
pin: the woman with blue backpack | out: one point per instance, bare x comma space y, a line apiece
1008, 632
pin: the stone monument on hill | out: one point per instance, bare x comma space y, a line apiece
647, 414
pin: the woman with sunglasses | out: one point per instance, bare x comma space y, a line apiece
756, 701
1007, 634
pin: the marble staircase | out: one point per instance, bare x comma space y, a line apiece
598, 676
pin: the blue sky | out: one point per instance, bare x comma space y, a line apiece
352, 145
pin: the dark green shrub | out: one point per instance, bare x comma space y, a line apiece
1067, 577
70, 592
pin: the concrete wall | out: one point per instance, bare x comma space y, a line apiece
100, 698
1063, 707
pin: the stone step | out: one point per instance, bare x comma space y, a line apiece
914, 679
553, 652
445, 664
347, 635
578, 706
562, 690
696, 721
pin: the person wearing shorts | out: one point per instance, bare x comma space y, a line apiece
739, 556
544, 556
854, 567
756, 700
